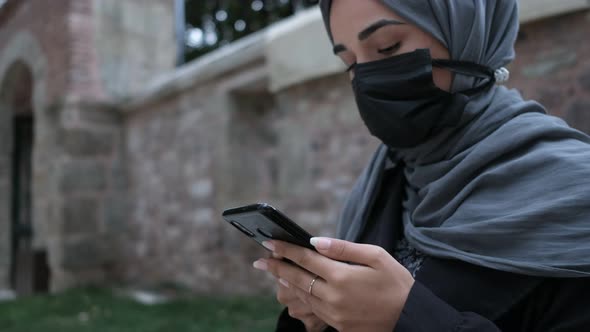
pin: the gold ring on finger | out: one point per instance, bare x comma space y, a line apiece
311, 285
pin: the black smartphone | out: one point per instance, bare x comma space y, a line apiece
262, 222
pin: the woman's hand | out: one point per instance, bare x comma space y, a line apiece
299, 310
295, 306
367, 296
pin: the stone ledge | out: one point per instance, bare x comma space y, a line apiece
295, 50
531, 10
231, 57
298, 50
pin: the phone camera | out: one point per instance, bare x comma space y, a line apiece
242, 228
265, 233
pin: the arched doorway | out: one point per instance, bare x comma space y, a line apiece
28, 271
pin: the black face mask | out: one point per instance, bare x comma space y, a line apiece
401, 105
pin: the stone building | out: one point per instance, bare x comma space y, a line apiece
115, 166
62, 177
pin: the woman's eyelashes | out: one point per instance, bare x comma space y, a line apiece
390, 50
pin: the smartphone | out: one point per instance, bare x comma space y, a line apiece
262, 222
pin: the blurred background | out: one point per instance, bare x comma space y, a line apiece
128, 126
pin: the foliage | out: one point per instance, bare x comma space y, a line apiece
214, 23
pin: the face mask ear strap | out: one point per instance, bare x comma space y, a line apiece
469, 69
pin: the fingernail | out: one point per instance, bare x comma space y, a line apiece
321, 243
268, 245
284, 282
260, 265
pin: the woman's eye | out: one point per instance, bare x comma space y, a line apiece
390, 50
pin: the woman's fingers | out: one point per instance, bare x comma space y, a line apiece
298, 309
316, 305
287, 296
292, 276
344, 251
305, 258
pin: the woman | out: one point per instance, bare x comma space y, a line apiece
476, 209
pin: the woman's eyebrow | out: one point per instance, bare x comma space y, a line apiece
376, 26
368, 31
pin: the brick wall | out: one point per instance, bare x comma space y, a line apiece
51, 32
97, 49
84, 77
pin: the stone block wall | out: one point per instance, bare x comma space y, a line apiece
212, 145
208, 149
130, 179
553, 66
175, 148
83, 55
131, 29
90, 208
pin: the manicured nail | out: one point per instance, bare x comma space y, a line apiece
261, 265
268, 245
284, 282
321, 243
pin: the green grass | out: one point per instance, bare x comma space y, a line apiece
94, 310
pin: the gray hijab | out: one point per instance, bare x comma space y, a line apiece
508, 188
